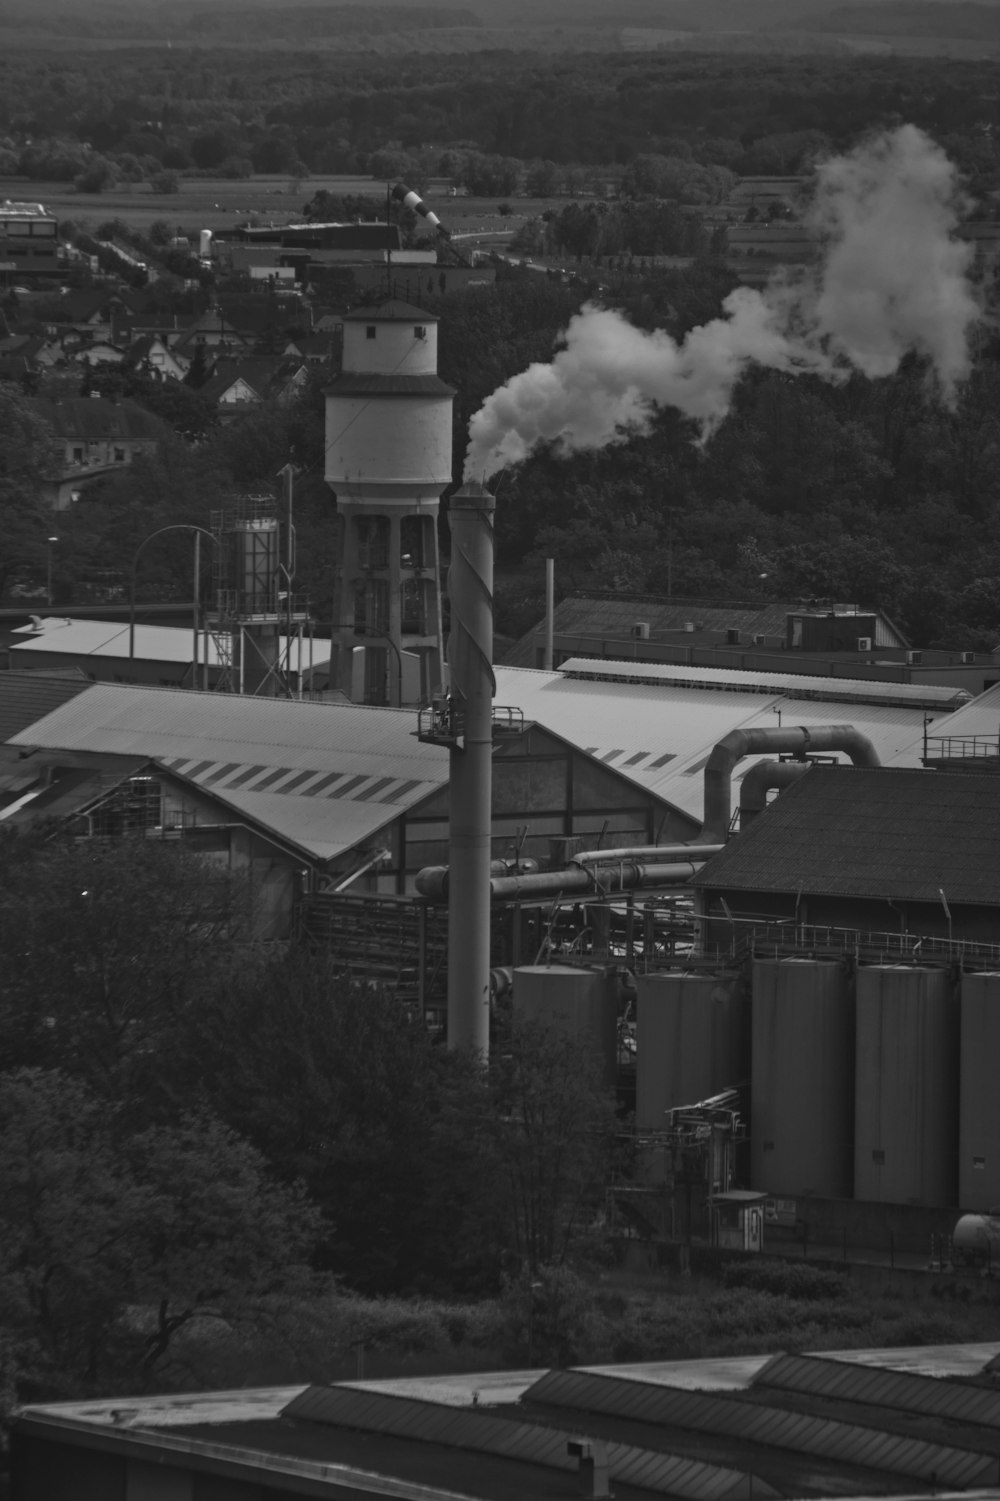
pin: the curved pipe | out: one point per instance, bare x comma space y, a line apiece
432, 882
762, 778
798, 739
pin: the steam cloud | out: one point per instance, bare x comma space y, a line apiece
892, 280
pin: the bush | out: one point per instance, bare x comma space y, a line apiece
788, 1279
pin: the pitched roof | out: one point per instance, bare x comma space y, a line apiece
153, 643
390, 311
96, 420
26, 697
607, 616
659, 734
324, 777
262, 373
861, 832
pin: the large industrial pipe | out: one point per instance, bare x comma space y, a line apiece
435, 883
798, 739
647, 852
765, 777
470, 659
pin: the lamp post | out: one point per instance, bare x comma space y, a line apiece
180, 526
48, 570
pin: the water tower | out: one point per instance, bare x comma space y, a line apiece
388, 458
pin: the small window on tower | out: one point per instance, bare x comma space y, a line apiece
420, 332
370, 331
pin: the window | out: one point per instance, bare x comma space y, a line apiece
119, 455
77, 454
370, 331
420, 332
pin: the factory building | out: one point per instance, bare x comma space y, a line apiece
866, 1422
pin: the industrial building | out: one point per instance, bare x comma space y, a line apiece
863, 1423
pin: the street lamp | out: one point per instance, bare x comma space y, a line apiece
48, 570
180, 526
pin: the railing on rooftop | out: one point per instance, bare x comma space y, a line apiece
962, 747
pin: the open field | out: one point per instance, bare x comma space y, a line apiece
220, 203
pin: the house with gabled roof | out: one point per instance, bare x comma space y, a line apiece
235, 385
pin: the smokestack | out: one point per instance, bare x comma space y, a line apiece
470, 662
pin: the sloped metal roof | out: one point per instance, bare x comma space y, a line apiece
26, 697
852, 1443
789, 684
980, 718
428, 1422
661, 736
820, 1376
153, 643
322, 776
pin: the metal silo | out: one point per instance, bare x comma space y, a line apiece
906, 1120
802, 1088
583, 1002
691, 1041
979, 1096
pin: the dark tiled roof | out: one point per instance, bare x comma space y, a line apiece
610, 616
392, 311
860, 832
96, 420
26, 697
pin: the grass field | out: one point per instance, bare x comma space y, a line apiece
221, 203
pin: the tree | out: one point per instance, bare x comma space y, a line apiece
553, 1130
103, 945
111, 1243
29, 453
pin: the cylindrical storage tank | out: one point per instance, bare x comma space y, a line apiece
583, 1002
801, 1072
255, 571
906, 1079
205, 244
691, 1040
979, 1093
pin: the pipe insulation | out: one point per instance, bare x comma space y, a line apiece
434, 882
470, 663
797, 739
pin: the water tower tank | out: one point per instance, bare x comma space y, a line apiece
692, 1041
802, 1065
906, 1119
582, 1002
979, 1093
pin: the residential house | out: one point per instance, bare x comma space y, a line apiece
98, 436
235, 385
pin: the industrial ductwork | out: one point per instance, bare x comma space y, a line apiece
795, 739
628, 875
765, 777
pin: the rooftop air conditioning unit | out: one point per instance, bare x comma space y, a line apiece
689, 627
914, 658
640, 630
968, 658
760, 640
864, 643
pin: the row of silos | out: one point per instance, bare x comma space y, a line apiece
878, 1085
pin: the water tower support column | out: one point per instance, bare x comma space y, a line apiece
470, 660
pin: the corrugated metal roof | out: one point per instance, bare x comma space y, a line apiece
981, 717
322, 776
788, 684
26, 697
860, 832
428, 1422
153, 643
849, 1382
660, 736
852, 1443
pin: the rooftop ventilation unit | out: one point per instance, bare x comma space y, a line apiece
914, 658
864, 643
760, 640
688, 627
732, 636
640, 630
968, 658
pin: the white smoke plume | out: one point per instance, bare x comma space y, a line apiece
892, 279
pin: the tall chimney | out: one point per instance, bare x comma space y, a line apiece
470, 662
